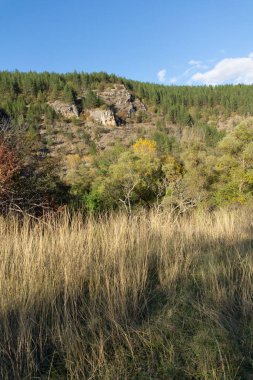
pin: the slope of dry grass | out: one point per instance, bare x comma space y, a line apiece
144, 297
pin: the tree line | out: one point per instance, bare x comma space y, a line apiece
180, 104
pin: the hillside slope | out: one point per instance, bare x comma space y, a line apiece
116, 142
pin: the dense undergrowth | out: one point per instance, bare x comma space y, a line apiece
118, 297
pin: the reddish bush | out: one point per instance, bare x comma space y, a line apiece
9, 166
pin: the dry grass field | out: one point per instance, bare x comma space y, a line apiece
122, 298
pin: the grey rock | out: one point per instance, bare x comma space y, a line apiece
121, 100
66, 110
104, 117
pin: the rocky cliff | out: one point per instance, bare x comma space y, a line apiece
103, 117
122, 101
66, 110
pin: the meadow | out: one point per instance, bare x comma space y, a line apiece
118, 297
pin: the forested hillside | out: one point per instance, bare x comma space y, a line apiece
17, 90
100, 142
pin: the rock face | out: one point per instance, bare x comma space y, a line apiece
67, 110
139, 106
122, 101
104, 117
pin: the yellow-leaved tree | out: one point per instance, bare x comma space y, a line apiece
145, 147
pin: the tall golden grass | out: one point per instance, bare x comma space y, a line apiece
119, 297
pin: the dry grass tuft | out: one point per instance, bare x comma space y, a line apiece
143, 297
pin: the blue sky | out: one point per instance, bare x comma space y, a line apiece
166, 41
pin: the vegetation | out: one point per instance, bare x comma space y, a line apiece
160, 168
179, 104
141, 297
150, 276
29, 182
163, 172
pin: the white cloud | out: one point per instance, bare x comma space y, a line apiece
173, 80
193, 62
228, 70
162, 75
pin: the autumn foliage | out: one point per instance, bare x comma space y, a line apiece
28, 183
9, 166
145, 146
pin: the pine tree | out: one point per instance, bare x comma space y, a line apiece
69, 95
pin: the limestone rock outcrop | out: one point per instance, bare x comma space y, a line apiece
66, 110
104, 117
122, 101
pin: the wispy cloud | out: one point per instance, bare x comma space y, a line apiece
194, 66
173, 80
194, 62
161, 75
228, 70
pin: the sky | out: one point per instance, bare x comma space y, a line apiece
163, 41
